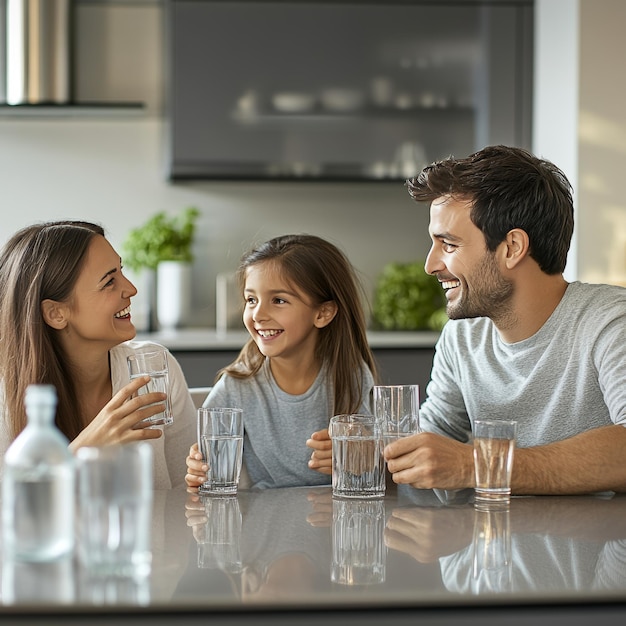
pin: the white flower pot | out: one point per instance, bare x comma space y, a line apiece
173, 294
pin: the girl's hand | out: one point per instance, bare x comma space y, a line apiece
119, 420
321, 457
196, 469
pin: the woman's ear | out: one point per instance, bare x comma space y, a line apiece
326, 313
54, 314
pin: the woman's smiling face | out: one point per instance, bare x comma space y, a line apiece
99, 308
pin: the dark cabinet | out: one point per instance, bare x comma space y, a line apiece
343, 90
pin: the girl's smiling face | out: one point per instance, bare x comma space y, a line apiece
281, 318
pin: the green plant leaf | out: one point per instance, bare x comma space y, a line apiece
407, 298
161, 238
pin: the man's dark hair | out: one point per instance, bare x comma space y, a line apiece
508, 188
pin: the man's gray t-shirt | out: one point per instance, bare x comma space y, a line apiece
569, 377
277, 424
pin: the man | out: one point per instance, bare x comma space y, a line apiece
521, 342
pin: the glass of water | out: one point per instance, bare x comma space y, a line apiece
397, 409
357, 451
153, 364
220, 439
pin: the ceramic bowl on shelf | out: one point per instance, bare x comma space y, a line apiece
293, 102
342, 100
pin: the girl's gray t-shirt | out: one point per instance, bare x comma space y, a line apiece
277, 424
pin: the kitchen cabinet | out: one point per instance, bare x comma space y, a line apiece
342, 90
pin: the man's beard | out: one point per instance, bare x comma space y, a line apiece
489, 296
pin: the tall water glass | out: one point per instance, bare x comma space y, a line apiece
114, 493
358, 466
220, 439
397, 409
153, 364
494, 442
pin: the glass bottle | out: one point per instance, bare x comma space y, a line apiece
38, 485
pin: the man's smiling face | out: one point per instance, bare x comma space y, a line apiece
466, 269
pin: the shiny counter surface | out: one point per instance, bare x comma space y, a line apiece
278, 553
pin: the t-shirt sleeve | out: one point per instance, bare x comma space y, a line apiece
443, 411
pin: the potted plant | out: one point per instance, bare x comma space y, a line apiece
164, 246
407, 298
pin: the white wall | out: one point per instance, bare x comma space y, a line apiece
602, 141
580, 124
555, 97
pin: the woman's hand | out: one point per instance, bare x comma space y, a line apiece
120, 419
321, 457
196, 469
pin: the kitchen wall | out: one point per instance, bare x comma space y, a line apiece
602, 142
109, 168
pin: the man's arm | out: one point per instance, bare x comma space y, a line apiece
591, 461
588, 462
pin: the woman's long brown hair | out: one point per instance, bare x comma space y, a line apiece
39, 262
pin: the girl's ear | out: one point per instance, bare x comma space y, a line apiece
54, 314
326, 314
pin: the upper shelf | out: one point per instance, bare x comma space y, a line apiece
74, 109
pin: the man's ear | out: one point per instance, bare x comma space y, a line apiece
54, 314
326, 313
516, 247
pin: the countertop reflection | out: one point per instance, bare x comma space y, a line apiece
298, 547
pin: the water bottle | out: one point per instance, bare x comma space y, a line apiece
38, 486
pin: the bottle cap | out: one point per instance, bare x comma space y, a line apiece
38, 394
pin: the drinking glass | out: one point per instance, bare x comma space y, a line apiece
114, 495
358, 466
153, 364
397, 409
220, 439
494, 441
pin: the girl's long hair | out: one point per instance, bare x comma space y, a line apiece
323, 272
39, 262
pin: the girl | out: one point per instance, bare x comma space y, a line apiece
65, 320
307, 359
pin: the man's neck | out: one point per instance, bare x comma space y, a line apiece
533, 303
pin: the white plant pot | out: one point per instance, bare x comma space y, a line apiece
173, 294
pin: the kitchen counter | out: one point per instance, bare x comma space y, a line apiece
189, 339
298, 556
402, 357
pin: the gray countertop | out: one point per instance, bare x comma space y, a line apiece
209, 339
296, 556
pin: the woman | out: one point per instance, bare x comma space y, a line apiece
65, 320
